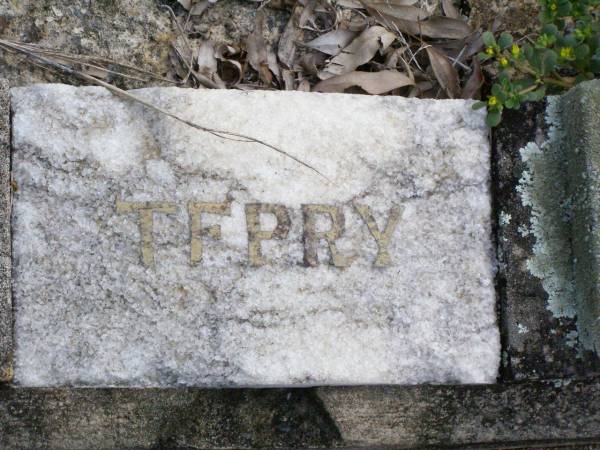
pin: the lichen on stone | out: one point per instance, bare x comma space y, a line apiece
543, 188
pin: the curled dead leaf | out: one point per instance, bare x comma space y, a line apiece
360, 51
207, 63
372, 82
231, 71
444, 72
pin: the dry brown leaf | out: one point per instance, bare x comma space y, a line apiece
286, 50
404, 12
309, 63
199, 8
272, 63
304, 86
231, 70
434, 27
372, 82
332, 42
360, 51
187, 4
474, 82
444, 72
420, 88
257, 51
288, 79
393, 56
450, 10
445, 28
357, 4
474, 45
206, 59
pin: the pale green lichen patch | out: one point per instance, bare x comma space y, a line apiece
561, 185
504, 218
543, 188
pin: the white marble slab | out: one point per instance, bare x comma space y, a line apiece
149, 253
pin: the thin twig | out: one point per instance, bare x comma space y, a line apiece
48, 63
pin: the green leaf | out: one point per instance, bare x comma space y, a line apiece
549, 61
479, 105
549, 29
595, 64
493, 118
504, 78
546, 16
505, 40
488, 39
512, 103
564, 8
581, 51
524, 83
497, 92
536, 95
484, 56
568, 41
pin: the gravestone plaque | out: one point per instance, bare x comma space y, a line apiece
150, 253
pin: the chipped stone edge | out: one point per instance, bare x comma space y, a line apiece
6, 316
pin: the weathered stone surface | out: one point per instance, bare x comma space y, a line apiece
534, 340
580, 115
535, 414
495, 416
535, 283
193, 303
6, 317
164, 419
138, 32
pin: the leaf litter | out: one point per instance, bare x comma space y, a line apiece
412, 48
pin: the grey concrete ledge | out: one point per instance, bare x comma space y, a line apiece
531, 413
580, 119
6, 331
